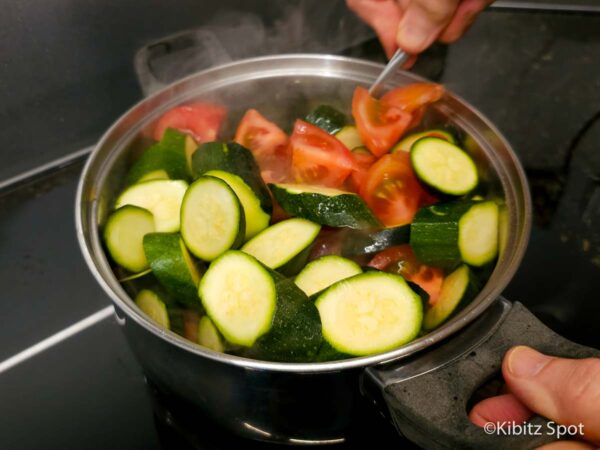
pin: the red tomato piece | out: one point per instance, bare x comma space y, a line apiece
200, 120
379, 124
268, 143
392, 190
318, 157
412, 97
401, 260
363, 160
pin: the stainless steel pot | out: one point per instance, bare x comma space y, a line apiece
426, 390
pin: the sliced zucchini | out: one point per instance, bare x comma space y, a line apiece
135, 276
173, 266
295, 335
478, 234
406, 144
152, 305
325, 206
165, 159
443, 166
370, 313
154, 175
325, 271
349, 137
284, 246
161, 197
239, 296
255, 218
457, 290
236, 159
445, 234
328, 118
123, 235
212, 218
209, 336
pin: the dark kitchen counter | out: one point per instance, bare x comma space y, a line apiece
533, 74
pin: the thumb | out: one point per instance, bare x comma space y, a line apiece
566, 391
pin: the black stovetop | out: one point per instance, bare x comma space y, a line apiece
533, 74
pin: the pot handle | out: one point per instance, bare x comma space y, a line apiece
427, 395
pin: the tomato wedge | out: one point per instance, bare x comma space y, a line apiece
363, 160
392, 190
379, 124
414, 96
200, 120
318, 157
401, 260
268, 143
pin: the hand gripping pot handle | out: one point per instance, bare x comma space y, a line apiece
427, 396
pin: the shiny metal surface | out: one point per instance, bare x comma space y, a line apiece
259, 399
395, 63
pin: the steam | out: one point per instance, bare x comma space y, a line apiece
304, 26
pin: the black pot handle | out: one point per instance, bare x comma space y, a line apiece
427, 395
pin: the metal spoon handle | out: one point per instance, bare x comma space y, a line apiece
396, 61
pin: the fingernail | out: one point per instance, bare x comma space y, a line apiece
524, 362
412, 37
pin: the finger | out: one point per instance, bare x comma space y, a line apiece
465, 15
381, 15
566, 391
567, 445
498, 409
422, 22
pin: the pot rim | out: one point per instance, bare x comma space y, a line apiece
124, 303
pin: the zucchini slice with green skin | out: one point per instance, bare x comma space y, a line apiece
284, 246
212, 218
370, 313
458, 289
445, 234
443, 166
233, 158
124, 233
350, 138
239, 295
295, 334
161, 197
478, 234
167, 157
406, 144
256, 218
327, 118
152, 305
325, 271
173, 266
209, 336
325, 206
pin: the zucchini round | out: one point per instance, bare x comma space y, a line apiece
406, 144
325, 271
212, 218
443, 166
239, 295
152, 305
370, 313
284, 246
161, 197
124, 233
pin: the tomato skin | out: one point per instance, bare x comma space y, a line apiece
414, 96
401, 260
318, 157
269, 145
392, 191
363, 160
379, 124
200, 120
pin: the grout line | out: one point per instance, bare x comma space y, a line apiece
44, 169
548, 6
56, 338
